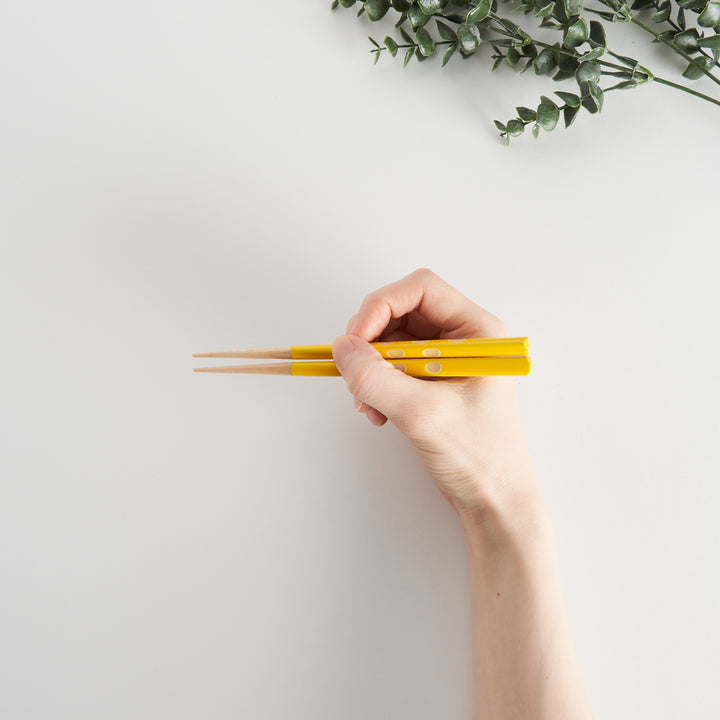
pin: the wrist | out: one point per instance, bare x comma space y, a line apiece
514, 515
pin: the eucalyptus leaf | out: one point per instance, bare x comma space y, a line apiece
545, 62
446, 32
469, 38
568, 98
694, 71
587, 72
479, 12
515, 127
576, 34
687, 41
526, 114
376, 9
545, 10
500, 126
513, 56
597, 33
449, 52
712, 42
569, 114
425, 42
408, 56
431, 6
391, 45
710, 16
548, 114
417, 17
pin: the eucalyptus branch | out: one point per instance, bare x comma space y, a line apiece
581, 55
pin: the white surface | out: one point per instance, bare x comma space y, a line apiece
183, 176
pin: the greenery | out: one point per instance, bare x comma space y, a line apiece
688, 28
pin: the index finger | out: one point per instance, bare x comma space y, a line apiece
432, 299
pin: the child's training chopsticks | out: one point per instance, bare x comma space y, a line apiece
471, 357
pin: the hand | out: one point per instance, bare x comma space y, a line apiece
466, 431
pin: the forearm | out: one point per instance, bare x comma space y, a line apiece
524, 665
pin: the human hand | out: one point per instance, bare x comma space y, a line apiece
466, 431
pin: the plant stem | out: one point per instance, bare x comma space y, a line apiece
686, 89
672, 45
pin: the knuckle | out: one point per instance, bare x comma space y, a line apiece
426, 274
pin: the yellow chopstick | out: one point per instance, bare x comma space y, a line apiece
416, 367
465, 347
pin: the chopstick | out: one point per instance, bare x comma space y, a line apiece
463, 347
465, 357
416, 367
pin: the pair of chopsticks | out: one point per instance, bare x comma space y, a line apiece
468, 357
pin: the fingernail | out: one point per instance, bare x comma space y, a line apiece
358, 404
342, 349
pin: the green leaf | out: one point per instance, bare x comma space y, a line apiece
391, 45
545, 62
408, 55
526, 114
573, 7
373, 41
593, 54
569, 98
513, 56
687, 41
377, 56
376, 9
479, 12
624, 85
417, 17
545, 11
446, 32
500, 126
663, 13
334, 4
497, 63
449, 52
515, 127
431, 6
347, 3
592, 97
710, 16
425, 42
597, 33
576, 34
469, 38
569, 114
642, 4
406, 36
681, 19
548, 115
536, 130
587, 72
694, 70
401, 5
710, 42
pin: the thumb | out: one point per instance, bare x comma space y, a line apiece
374, 380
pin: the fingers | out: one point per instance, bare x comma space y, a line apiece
373, 381
433, 308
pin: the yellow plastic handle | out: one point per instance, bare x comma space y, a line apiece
466, 347
432, 367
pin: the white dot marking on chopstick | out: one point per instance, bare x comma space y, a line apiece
420, 342
433, 368
396, 352
431, 352
401, 367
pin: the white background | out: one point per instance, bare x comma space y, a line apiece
181, 176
